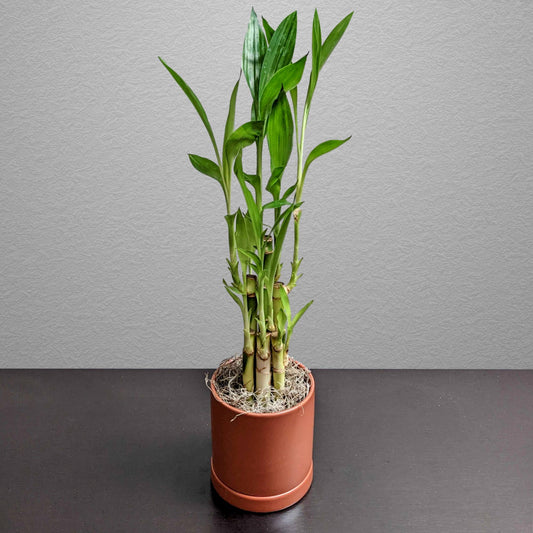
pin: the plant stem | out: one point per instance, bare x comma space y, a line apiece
297, 198
250, 321
251, 288
278, 366
263, 373
278, 349
232, 242
259, 172
248, 360
268, 257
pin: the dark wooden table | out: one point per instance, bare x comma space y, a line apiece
395, 451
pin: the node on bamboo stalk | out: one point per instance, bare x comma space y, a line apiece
263, 372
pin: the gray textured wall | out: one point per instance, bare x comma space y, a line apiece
417, 235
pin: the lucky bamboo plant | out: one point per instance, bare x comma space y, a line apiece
254, 246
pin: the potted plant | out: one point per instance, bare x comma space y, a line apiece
262, 402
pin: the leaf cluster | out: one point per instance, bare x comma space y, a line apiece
273, 79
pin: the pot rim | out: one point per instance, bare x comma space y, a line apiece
236, 410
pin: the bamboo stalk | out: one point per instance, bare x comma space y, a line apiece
248, 354
278, 366
269, 250
263, 373
278, 348
295, 259
251, 287
285, 355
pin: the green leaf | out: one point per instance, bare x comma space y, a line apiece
281, 218
197, 105
299, 315
252, 179
233, 293
243, 136
294, 99
286, 79
253, 210
333, 38
244, 232
316, 43
250, 232
289, 191
231, 219
316, 46
280, 129
253, 53
241, 236
252, 256
284, 219
206, 166
281, 320
274, 183
321, 149
285, 305
280, 49
245, 238
276, 203
269, 30
230, 121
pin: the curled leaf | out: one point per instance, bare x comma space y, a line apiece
206, 166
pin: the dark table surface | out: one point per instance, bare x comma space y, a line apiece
395, 451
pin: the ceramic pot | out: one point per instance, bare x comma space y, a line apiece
262, 462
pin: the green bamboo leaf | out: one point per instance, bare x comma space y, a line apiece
206, 166
280, 49
253, 53
274, 183
230, 219
233, 293
321, 149
277, 203
245, 239
294, 99
252, 256
289, 191
316, 43
281, 320
243, 136
269, 30
280, 219
230, 121
285, 305
286, 79
241, 236
333, 38
284, 220
253, 210
252, 179
316, 46
250, 231
233, 264
197, 105
280, 130
299, 315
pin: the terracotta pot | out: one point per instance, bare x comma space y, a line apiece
282, 473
